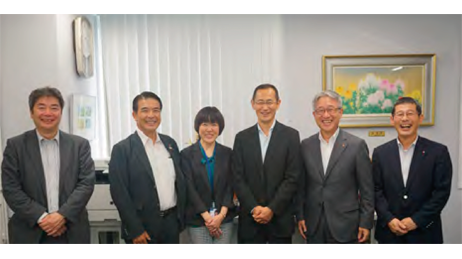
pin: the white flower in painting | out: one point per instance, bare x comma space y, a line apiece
375, 98
387, 103
372, 81
362, 84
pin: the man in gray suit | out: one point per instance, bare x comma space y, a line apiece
336, 194
48, 177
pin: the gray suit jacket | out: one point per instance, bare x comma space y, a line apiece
23, 183
346, 191
133, 187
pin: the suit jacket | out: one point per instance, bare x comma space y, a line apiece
345, 191
24, 186
133, 187
426, 192
198, 186
271, 183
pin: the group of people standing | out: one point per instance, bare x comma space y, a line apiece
325, 186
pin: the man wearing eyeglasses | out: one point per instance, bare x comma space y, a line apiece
266, 169
336, 191
412, 178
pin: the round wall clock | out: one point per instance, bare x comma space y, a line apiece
84, 46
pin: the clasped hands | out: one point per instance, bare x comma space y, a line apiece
54, 224
262, 215
401, 227
213, 225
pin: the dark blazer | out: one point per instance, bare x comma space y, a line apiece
426, 192
272, 183
23, 182
199, 191
133, 187
349, 172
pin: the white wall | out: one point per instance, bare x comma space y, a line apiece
39, 51
308, 37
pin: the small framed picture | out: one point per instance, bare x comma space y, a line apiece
83, 116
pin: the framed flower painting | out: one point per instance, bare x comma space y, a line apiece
370, 85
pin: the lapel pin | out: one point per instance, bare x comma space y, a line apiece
423, 153
343, 145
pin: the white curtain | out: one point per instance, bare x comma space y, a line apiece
190, 61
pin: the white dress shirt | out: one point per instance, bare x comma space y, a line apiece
326, 148
163, 170
405, 157
49, 152
264, 140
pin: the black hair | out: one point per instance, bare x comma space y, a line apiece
45, 91
209, 114
265, 86
145, 95
403, 100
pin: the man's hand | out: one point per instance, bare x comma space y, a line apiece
256, 212
363, 234
142, 239
53, 224
60, 231
302, 228
397, 227
265, 216
409, 223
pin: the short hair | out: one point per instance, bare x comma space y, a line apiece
265, 86
327, 93
410, 100
145, 95
209, 114
45, 91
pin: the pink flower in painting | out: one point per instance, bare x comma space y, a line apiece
387, 103
384, 85
399, 83
392, 89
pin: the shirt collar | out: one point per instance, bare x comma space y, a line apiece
145, 139
40, 137
332, 138
412, 145
271, 129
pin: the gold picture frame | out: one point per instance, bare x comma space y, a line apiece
370, 84
84, 46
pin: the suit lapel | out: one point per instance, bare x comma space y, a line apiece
197, 158
255, 141
168, 146
36, 159
64, 161
273, 143
396, 167
417, 160
218, 165
316, 153
340, 145
140, 153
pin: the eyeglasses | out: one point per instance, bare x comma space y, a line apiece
267, 102
330, 110
400, 115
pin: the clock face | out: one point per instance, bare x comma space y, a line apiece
84, 47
